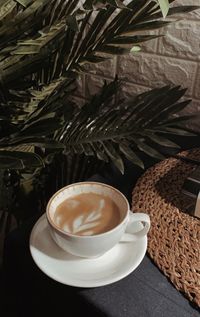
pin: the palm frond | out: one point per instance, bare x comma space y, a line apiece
114, 132
6, 9
19, 160
45, 45
54, 45
39, 123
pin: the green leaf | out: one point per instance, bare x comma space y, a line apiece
178, 131
10, 162
88, 4
113, 50
88, 149
15, 26
98, 150
164, 6
114, 156
41, 127
135, 49
24, 3
159, 105
49, 49
6, 8
182, 9
170, 109
117, 4
133, 39
93, 59
43, 40
163, 141
180, 120
148, 150
130, 155
107, 129
19, 160
39, 50
33, 141
72, 23
145, 26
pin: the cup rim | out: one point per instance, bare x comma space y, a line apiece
64, 233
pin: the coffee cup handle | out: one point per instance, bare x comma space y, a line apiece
131, 233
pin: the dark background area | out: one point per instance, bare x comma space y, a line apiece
26, 291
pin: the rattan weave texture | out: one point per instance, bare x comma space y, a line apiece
174, 237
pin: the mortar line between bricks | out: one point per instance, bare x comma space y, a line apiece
172, 57
174, 19
115, 63
196, 99
129, 82
133, 83
125, 81
195, 80
122, 80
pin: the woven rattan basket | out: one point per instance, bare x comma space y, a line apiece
174, 237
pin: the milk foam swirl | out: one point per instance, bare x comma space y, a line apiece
82, 223
87, 214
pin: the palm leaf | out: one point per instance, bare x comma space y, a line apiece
41, 50
19, 160
47, 43
112, 133
164, 6
6, 9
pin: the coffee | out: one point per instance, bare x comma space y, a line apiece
87, 214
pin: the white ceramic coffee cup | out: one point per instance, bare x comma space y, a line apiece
96, 245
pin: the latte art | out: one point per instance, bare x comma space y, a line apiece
87, 214
82, 223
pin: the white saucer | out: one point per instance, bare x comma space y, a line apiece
65, 268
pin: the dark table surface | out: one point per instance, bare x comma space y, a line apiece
146, 292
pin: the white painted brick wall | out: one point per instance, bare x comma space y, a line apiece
174, 58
